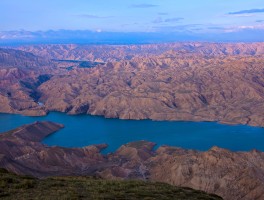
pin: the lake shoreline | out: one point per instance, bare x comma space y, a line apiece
85, 130
224, 122
22, 152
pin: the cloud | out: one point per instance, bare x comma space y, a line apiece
160, 20
216, 28
197, 29
241, 15
176, 19
247, 11
259, 21
179, 28
163, 13
240, 28
251, 27
93, 16
143, 5
188, 32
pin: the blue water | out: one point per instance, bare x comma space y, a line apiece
85, 130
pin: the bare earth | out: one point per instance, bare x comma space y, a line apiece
181, 81
228, 174
195, 81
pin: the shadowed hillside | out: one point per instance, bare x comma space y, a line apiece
24, 187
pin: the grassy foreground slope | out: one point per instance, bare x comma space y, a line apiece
13, 186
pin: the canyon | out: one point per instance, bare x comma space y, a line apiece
220, 82
231, 175
195, 81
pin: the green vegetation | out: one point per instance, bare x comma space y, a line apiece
23, 187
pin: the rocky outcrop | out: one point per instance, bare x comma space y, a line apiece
232, 175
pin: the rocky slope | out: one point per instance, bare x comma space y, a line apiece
15, 58
179, 81
21, 73
26, 187
166, 87
126, 52
232, 175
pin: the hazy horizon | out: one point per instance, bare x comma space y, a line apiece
140, 21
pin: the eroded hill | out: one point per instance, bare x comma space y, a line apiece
232, 175
126, 52
182, 81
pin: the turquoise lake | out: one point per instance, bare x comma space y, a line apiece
83, 130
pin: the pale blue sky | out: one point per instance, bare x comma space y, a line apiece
199, 16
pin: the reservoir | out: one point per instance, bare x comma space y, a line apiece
84, 130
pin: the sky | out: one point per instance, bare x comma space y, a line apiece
149, 16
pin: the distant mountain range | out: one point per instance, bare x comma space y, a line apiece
93, 37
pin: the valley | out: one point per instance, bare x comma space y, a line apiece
127, 100
195, 82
